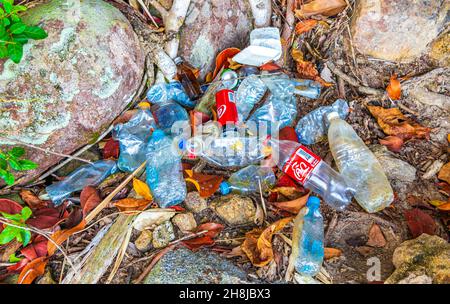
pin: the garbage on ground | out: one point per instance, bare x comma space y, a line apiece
265, 46
171, 118
90, 174
187, 78
133, 137
313, 126
164, 171
163, 92
251, 179
307, 239
358, 165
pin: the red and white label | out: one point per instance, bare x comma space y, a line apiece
301, 164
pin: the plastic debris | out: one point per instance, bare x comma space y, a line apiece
248, 180
133, 137
359, 166
172, 118
187, 78
313, 126
164, 171
163, 92
86, 175
307, 88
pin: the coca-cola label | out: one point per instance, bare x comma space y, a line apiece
221, 110
301, 164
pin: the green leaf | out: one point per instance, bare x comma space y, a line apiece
3, 155
35, 32
14, 259
2, 30
25, 236
7, 6
3, 164
26, 164
15, 52
7, 176
26, 213
14, 163
3, 51
17, 152
19, 8
8, 234
17, 28
6, 22
13, 217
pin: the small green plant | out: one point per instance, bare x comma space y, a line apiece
13, 32
12, 160
16, 232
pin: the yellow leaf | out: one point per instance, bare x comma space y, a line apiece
437, 203
142, 189
444, 173
331, 253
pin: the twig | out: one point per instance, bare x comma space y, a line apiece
144, 7
263, 203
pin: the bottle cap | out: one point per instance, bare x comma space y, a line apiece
178, 60
224, 188
332, 115
158, 134
313, 203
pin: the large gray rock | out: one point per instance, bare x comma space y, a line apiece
395, 168
71, 85
210, 27
398, 30
183, 266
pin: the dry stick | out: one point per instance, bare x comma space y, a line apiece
109, 198
263, 203
44, 149
64, 262
144, 7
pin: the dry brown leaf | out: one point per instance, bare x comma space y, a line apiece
258, 242
205, 184
394, 89
306, 69
444, 207
304, 26
444, 173
393, 143
321, 7
394, 123
61, 236
132, 204
376, 237
331, 253
31, 199
142, 189
293, 206
89, 199
32, 270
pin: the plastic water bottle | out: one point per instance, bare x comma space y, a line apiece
308, 249
313, 126
171, 117
312, 172
164, 171
86, 175
247, 180
133, 137
358, 166
163, 92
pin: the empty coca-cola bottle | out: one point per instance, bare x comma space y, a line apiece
312, 172
188, 79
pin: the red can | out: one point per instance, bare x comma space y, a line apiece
226, 107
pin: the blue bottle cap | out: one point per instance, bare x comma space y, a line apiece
158, 134
313, 203
224, 188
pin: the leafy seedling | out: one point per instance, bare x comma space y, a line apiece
14, 34
12, 160
10, 232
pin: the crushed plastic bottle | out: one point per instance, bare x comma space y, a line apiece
164, 171
133, 137
307, 88
313, 126
307, 239
163, 92
86, 175
359, 166
280, 108
170, 117
228, 150
312, 172
247, 180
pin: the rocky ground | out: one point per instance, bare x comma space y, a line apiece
357, 50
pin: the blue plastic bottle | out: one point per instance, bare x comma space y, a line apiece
309, 239
171, 117
164, 171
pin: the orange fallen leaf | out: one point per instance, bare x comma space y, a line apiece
376, 237
393, 143
32, 270
206, 239
61, 236
321, 7
142, 189
444, 173
270, 67
306, 69
31, 199
222, 59
294, 205
444, 207
132, 204
89, 199
258, 242
394, 123
331, 253
305, 26
394, 89
205, 184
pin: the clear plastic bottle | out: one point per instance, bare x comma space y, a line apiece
358, 166
246, 180
167, 114
307, 239
312, 172
164, 171
86, 175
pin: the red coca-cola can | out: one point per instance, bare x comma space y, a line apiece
226, 107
